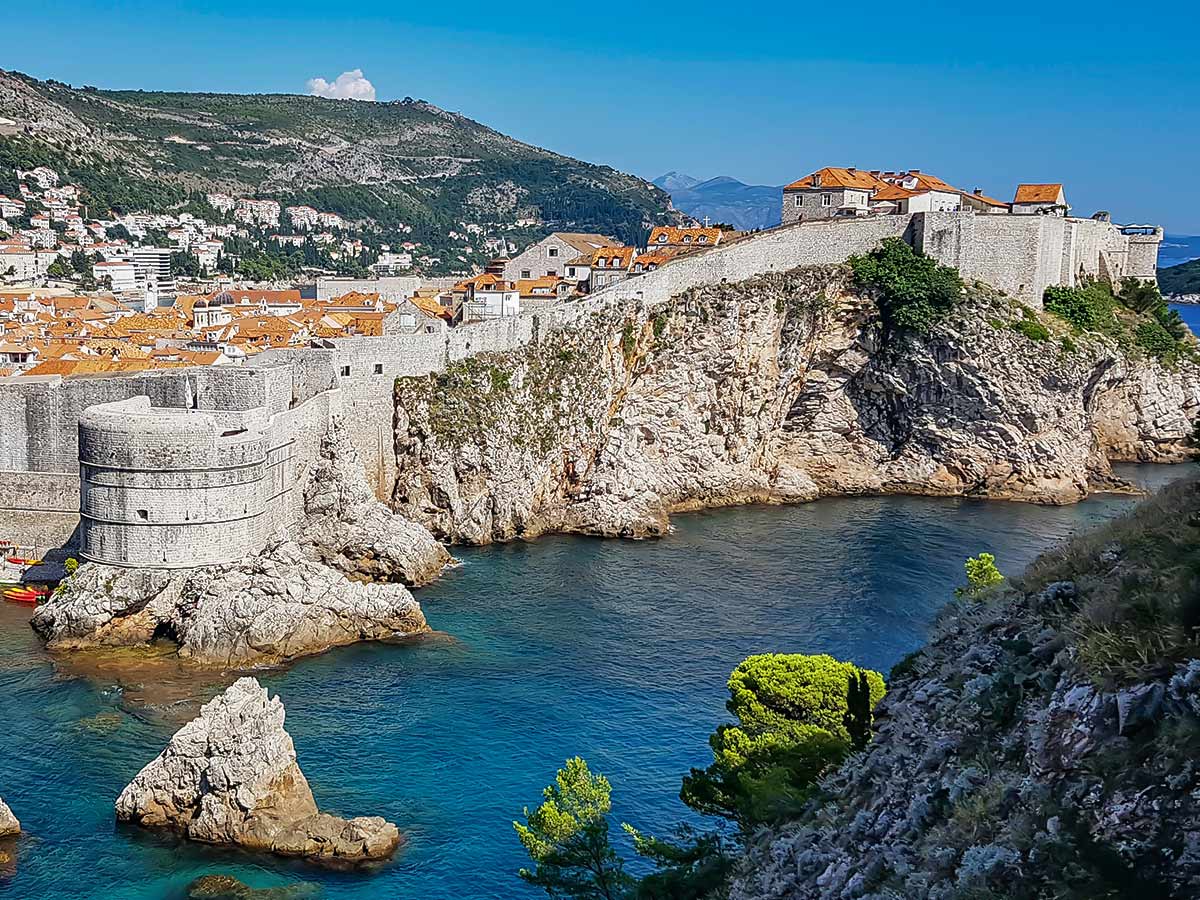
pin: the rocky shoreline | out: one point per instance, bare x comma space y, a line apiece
1040, 745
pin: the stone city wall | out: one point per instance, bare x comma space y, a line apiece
287, 396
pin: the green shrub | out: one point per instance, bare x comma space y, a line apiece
1154, 339
1032, 329
1068, 345
795, 719
1085, 308
71, 565
982, 574
914, 291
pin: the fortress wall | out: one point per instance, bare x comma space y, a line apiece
168, 488
803, 244
285, 398
39, 508
293, 440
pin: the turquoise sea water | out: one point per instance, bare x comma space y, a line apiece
617, 651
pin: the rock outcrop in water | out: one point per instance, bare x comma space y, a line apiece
1042, 745
230, 776
9, 825
777, 389
268, 608
340, 580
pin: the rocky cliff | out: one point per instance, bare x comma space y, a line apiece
1042, 745
778, 389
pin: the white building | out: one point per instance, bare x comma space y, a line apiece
152, 266
121, 273
257, 212
1043, 199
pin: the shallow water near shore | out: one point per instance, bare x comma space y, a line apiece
616, 651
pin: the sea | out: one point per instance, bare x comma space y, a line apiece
617, 651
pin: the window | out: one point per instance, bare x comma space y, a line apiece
526, 273
378, 368
144, 515
552, 272
799, 199
662, 238
703, 239
687, 238
827, 199
552, 251
570, 271
345, 371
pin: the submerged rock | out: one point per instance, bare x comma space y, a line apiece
230, 776
267, 608
226, 887
9, 825
348, 529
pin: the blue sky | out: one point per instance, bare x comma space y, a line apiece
1104, 97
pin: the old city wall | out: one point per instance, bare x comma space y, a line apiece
287, 396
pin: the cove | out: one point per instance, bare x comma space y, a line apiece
616, 651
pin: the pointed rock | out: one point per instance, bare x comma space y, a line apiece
8, 822
230, 776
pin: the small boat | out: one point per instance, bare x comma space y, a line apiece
21, 561
25, 594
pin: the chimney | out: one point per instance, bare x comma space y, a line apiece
978, 192
851, 169
877, 172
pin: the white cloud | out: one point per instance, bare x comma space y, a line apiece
347, 86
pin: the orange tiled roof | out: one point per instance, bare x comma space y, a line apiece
624, 254
837, 177
689, 236
1038, 193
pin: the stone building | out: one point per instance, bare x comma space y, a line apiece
829, 193
550, 255
1040, 199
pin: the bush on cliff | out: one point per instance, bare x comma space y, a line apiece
794, 721
1135, 316
914, 291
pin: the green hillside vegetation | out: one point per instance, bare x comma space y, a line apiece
378, 165
1181, 279
1135, 316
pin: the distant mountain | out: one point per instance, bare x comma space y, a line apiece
675, 181
1179, 264
724, 199
1176, 249
402, 162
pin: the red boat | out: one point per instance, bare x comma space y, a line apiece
23, 594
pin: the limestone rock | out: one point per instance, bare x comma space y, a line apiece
347, 528
777, 389
266, 608
9, 825
230, 776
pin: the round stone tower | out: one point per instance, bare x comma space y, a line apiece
168, 488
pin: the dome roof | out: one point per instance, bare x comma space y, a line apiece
200, 304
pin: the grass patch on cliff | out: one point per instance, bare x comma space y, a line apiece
1135, 316
914, 292
1137, 614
